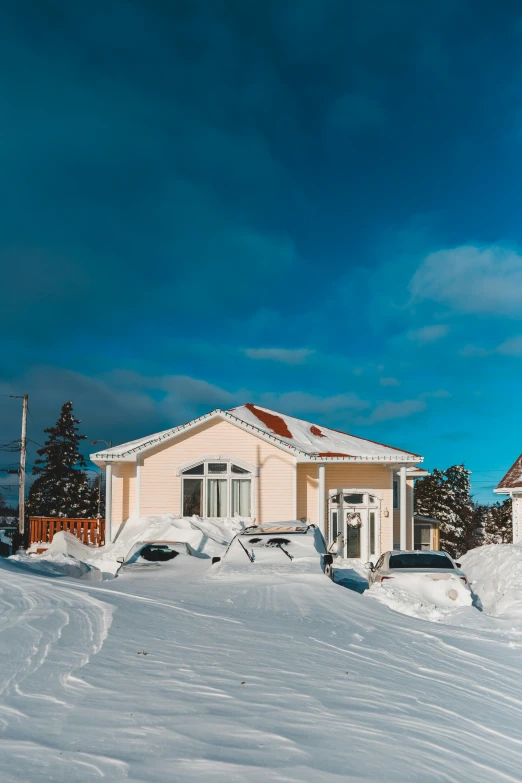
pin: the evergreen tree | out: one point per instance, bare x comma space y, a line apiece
62, 488
446, 495
497, 523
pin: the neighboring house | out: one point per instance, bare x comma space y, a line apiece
511, 485
266, 466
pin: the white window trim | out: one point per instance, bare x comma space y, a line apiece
217, 458
228, 477
356, 491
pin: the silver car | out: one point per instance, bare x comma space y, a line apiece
435, 564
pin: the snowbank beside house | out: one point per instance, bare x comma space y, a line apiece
495, 574
68, 556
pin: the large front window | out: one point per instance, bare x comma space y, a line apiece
219, 492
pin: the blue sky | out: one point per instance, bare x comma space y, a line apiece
310, 205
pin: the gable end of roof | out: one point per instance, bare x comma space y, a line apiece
513, 478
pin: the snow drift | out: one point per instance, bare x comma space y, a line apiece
67, 556
495, 575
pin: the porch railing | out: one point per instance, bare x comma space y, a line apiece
89, 531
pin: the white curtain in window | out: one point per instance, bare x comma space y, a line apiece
241, 497
217, 497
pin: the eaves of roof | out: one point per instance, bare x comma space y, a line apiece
135, 448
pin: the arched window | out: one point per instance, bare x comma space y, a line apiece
216, 488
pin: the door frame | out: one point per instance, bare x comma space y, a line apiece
338, 505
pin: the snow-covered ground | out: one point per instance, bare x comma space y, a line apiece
179, 673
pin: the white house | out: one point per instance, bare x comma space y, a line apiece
511, 485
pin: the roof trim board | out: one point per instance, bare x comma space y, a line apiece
129, 454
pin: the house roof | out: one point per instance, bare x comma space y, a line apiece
513, 478
417, 472
305, 440
421, 518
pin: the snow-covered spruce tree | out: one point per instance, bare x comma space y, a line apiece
497, 523
446, 495
62, 488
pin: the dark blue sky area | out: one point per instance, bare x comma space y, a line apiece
311, 205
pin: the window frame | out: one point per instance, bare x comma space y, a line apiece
417, 528
396, 498
227, 476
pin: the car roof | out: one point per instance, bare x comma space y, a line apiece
417, 552
275, 528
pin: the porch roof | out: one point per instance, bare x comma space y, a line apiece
306, 441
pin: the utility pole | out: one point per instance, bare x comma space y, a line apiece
23, 454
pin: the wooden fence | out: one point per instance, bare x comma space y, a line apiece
89, 531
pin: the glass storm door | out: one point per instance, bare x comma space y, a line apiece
353, 534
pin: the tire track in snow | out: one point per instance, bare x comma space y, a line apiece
47, 633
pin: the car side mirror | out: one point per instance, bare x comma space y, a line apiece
370, 566
216, 560
458, 565
120, 560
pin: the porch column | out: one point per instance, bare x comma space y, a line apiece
516, 505
108, 502
138, 487
321, 481
402, 505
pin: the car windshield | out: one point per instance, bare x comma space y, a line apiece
424, 560
158, 552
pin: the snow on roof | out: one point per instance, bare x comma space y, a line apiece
307, 441
314, 439
513, 478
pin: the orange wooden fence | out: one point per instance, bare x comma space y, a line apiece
43, 529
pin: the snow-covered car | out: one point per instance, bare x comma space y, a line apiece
292, 545
152, 553
405, 567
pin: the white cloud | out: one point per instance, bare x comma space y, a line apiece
472, 279
389, 381
440, 393
302, 403
428, 334
394, 410
283, 355
511, 347
474, 351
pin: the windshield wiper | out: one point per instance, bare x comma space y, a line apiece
247, 553
284, 550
